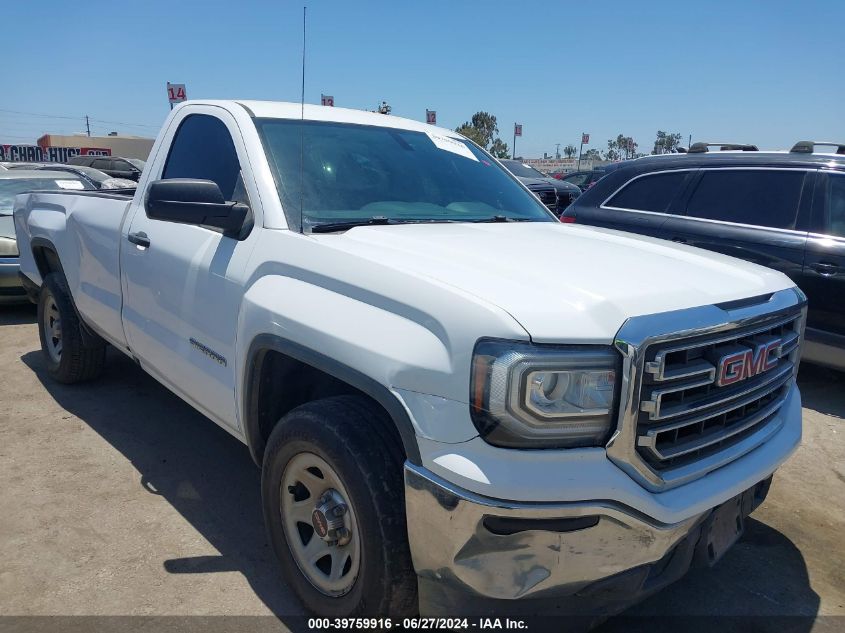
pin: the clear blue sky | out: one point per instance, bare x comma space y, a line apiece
767, 72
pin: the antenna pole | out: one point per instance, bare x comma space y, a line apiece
302, 129
302, 98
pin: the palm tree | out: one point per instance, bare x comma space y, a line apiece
569, 151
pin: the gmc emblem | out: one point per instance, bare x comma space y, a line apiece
746, 363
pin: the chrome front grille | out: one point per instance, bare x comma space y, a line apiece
704, 386
685, 414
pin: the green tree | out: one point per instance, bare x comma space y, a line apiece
482, 130
471, 133
592, 154
499, 149
622, 147
666, 142
569, 151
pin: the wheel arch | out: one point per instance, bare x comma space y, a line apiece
47, 261
258, 421
46, 257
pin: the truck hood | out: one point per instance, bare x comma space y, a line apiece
561, 282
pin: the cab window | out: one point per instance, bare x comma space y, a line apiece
203, 148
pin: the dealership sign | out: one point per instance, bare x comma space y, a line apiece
38, 154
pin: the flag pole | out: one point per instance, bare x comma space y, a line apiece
580, 150
513, 149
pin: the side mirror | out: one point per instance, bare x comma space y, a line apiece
192, 201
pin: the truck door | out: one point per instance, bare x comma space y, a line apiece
183, 283
823, 279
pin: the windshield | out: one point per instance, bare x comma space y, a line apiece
88, 172
138, 164
522, 170
355, 172
10, 187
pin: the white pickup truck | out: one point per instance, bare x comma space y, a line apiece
454, 399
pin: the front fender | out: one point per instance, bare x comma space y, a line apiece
365, 345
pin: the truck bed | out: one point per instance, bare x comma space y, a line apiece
84, 229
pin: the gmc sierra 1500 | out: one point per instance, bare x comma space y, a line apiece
452, 397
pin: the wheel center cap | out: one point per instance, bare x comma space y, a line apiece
320, 523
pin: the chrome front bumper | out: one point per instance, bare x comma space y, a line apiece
503, 550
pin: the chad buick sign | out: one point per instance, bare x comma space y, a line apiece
38, 154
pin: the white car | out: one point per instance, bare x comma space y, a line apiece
455, 400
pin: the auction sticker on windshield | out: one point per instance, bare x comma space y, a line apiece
451, 145
70, 184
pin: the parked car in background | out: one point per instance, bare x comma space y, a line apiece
581, 179
586, 179
16, 165
13, 182
784, 210
555, 194
115, 166
96, 178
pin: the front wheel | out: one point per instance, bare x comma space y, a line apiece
334, 509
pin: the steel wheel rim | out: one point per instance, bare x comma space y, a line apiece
52, 324
331, 569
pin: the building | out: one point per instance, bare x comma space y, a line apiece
119, 145
551, 165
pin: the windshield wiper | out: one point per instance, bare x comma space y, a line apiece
381, 220
501, 218
330, 227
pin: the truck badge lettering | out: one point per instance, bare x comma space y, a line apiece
735, 367
220, 360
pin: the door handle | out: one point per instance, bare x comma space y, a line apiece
679, 240
824, 268
139, 239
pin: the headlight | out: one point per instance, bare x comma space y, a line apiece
543, 396
8, 247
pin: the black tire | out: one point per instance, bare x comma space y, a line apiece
77, 362
348, 433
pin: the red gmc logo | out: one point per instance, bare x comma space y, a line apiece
737, 366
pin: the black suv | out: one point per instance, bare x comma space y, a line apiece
114, 166
784, 210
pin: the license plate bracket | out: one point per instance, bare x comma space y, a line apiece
724, 527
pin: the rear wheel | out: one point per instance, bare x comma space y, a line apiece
67, 356
334, 507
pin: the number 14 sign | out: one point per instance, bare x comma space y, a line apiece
176, 93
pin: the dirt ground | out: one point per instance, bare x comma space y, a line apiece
117, 498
